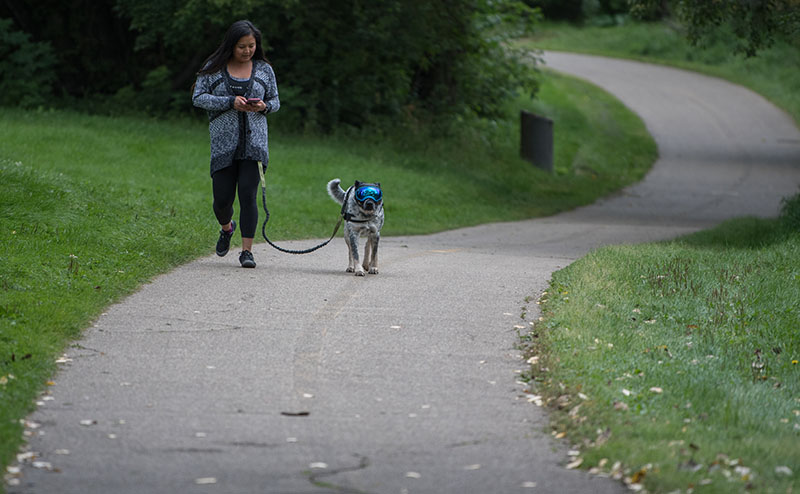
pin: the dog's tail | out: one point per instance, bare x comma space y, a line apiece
335, 191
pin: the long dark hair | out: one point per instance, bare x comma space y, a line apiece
224, 52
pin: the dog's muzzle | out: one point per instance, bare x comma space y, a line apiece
368, 197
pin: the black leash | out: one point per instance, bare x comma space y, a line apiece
264, 225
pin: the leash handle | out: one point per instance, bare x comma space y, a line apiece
266, 219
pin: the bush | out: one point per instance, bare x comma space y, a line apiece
559, 10
790, 212
347, 63
27, 68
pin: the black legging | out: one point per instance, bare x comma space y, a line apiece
243, 173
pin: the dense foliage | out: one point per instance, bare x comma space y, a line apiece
337, 61
754, 24
750, 25
30, 62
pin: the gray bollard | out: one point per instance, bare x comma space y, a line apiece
536, 140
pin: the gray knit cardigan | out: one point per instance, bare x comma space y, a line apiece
211, 93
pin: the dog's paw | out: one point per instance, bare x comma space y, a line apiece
373, 270
350, 269
360, 271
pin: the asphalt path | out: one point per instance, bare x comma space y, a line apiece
298, 378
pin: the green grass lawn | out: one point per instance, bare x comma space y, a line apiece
679, 360
92, 207
674, 366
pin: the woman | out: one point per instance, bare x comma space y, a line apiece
237, 87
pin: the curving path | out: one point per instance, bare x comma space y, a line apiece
408, 377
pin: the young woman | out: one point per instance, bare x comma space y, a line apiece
236, 85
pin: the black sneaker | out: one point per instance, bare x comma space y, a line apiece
246, 259
224, 242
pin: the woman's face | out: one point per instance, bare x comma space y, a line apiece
244, 49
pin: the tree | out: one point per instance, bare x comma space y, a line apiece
26, 68
756, 24
350, 61
338, 62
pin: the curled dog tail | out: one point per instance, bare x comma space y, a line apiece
335, 191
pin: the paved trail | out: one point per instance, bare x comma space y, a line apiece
408, 376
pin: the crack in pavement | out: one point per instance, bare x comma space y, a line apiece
362, 464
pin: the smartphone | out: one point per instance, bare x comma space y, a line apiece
253, 101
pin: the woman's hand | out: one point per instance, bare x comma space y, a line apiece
241, 104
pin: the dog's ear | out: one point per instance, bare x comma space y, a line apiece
378, 184
357, 185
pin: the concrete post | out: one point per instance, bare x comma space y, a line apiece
536, 140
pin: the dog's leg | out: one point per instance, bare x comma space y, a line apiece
371, 253
373, 265
348, 231
367, 252
352, 245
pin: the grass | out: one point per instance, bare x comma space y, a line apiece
92, 207
674, 366
774, 73
679, 360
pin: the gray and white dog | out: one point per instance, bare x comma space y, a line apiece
362, 210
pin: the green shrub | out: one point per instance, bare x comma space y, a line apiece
27, 68
790, 212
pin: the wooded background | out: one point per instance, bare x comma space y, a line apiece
338, 62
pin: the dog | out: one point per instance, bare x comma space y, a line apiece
362, 211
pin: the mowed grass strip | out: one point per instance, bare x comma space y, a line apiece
93, 207
675, 365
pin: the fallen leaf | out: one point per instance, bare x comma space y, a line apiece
23, 457
205, 481
626, 392
656, 389
575, 464
413, 475
784, 470
690, 465
318, 464
620, 405
472, 467
528, 485
88, 422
